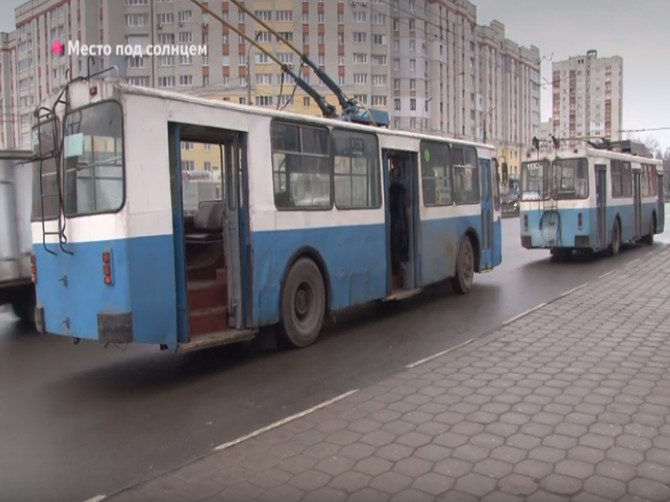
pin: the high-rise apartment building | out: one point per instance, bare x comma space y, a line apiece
9, 116
587, 97
426, 61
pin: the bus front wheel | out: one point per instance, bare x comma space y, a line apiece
303, 305
465, 267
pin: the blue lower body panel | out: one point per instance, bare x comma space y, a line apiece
354, 258
560, 228
139, 306
440, 242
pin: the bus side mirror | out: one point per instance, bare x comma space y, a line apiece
504, 172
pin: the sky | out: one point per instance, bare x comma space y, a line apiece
638, 32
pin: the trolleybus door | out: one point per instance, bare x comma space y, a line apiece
637, 206
234, 222
486, 258
601, 204
660, 220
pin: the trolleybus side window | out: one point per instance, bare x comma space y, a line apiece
571, 179
356, 170
466, 174
44, 151
649, 181
622, 183
94, 159
436, 174
300, 166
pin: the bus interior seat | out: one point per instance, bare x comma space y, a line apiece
208, 220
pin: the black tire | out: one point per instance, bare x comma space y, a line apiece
615, 244
561, 254
649, 238
302, 305
25, 311
465, 267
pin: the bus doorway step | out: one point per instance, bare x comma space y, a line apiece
402, 294
215, 340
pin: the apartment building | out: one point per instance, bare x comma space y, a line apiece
587, 97
426, 61
9, 105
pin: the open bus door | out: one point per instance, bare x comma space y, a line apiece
400, 170
487, 237
637, 205
601, 204
210, 225
660, 223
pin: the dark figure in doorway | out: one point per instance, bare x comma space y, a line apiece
399, 221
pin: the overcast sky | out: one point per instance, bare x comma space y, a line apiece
638, 32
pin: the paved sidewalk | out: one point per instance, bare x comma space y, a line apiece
570, 402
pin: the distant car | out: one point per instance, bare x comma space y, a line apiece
510, 203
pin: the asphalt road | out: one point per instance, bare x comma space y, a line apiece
79, 421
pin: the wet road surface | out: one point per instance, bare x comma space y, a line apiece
78, 421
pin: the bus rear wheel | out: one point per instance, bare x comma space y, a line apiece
303, 305
615, 245
649, 238
465, 267
24, 310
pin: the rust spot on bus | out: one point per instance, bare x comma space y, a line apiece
448, 245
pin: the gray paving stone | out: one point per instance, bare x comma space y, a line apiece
615, 470
633, 442
493, 468
649, 490
475, 484
659, 454
285, 493
608, 488
349, 482
656, 472
391, 482
411, 495
453, 467
470, 453
373, 466
560, 485
432, 452
322, 494
498, 496
534, 469
433, 483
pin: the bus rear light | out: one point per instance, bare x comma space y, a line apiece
107, 267
579, 221
525, 222
33, 269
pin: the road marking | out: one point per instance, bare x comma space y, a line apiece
284, 421
97, 498
606, 274
633, 261
522, 314
430, 358
573, 290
